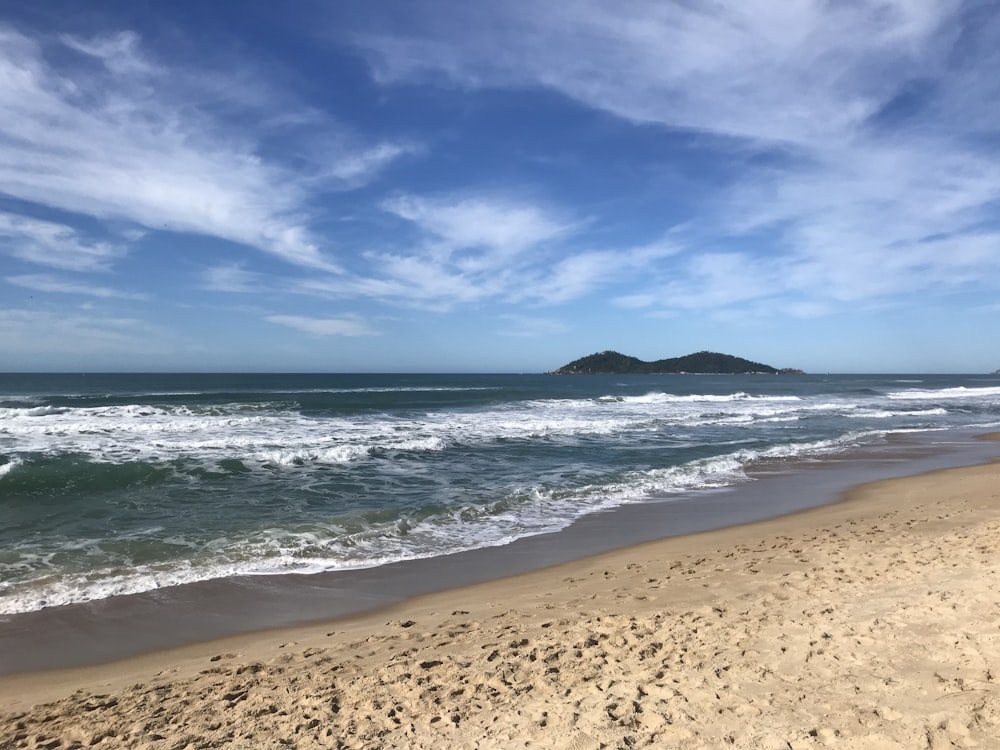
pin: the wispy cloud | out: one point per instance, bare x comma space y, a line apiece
793, 72
78, 334
465, 248
526, 326
55, 284
109, 131
119, 52
359, 165
874, 118
491, 229
56, 245
324, 326
473, 248
580, 273
232, 277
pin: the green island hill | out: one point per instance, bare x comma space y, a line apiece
699, 363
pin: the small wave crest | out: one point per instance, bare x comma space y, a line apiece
656, 397
9, 466
345, 453
31, 411
959, 392
890, 414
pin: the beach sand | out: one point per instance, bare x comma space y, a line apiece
871, 623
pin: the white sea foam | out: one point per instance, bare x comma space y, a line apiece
661, 398
962, 392
31, 411
526, 512
283, 437
345, 453
890, 414
273, 435
8, 467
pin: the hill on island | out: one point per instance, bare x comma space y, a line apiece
701, 363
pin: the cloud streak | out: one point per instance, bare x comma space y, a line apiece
526, 326
56, 245
324, 326
233, 278
81, 334
57, 285
495, 228
473, 248
114, 134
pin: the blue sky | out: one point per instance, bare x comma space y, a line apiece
498, 187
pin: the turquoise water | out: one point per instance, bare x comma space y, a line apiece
113, 484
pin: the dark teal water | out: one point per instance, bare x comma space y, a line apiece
114, 484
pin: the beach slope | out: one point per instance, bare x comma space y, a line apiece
871, 623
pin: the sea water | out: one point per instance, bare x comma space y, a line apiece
116, 484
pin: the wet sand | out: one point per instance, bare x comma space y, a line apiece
869, 623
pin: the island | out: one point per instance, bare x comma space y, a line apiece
699, 363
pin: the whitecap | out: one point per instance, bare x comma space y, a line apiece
8, 467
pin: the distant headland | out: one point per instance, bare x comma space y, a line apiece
699, 363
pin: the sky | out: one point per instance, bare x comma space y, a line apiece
456, 186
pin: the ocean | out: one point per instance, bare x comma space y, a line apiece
113, 484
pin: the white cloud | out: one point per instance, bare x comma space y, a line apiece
360, 165
580, 273
119, 52
475, 248
324, 326
127, 138
499, 227
75, 334
469, 248
805, 309
472, 248
636, 301
56, 245
232, 277
48, 283
721, 279
874, 117
426, 279
525, 326
795, 71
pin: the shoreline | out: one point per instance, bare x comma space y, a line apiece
869, 620
124, 627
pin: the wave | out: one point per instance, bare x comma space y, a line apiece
345, 453
666, 398
392, 389
392, 535
248, 482
889, 414
8, 467
284, 436
959, 392
275, 434
33, 411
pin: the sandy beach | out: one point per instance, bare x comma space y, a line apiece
871, 623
